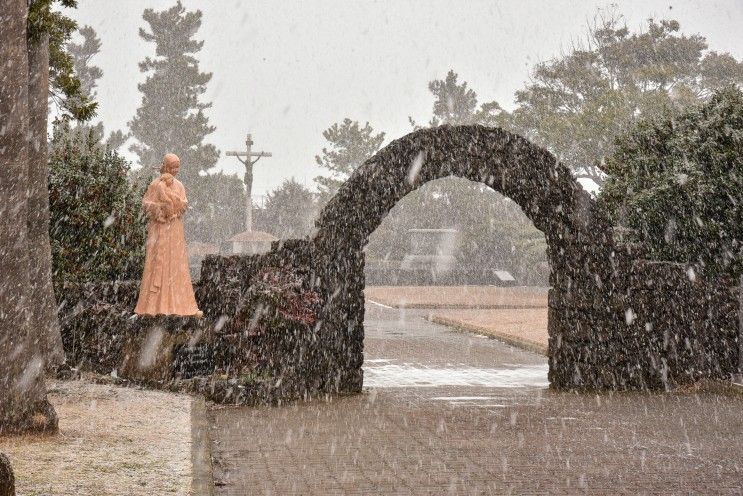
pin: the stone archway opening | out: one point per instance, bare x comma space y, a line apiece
454, 262
456, 231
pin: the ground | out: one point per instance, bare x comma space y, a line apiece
516, 315
449, 413
112, 441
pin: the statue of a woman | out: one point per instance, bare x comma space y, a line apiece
166, 282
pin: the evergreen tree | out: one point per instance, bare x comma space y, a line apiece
493, 231
89, 74
350, 146
576, 105
289, 211
51, 30
456, 104
171, 119
97, 229
29, 331
216, 206
81, 54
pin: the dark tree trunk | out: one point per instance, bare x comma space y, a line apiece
44, 319
23, 403
7, 480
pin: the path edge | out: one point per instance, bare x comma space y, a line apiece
202, 473
517, 342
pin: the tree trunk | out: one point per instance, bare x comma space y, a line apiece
23, 403
7, 479
44, 321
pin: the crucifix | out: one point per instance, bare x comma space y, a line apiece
248, 162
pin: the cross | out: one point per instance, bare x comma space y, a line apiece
248, 162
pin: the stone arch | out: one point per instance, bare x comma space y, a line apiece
580, 247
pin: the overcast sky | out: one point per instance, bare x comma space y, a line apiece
285, 71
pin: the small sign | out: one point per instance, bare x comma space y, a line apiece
193, 361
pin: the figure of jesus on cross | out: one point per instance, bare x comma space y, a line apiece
248, 161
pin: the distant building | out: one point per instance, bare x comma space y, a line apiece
248, 243
430, 260
431, 250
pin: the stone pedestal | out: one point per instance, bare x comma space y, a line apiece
166, 347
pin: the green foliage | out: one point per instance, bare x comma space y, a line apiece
215, 207
350, 146
576, 105
678, 182
66, 87
289, 211
456, 104
96, 227
81, 54
89, 74
493, 231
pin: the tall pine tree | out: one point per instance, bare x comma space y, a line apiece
171, 119
29, 331
350, 145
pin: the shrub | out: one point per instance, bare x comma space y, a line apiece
97, 229
677, 181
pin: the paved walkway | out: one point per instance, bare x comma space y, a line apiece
451, 413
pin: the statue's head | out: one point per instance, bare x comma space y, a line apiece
171, 164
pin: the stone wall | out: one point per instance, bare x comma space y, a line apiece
579, 239
289, 324
255, 344
100, 333
682, 326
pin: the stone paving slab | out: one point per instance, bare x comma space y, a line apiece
402, 442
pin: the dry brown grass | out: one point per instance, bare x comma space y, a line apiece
458, 296
526, 328
112, 441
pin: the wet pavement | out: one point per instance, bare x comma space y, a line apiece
451, 413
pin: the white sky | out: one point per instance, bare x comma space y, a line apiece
287, 70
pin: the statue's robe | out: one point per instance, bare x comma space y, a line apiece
166, 282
